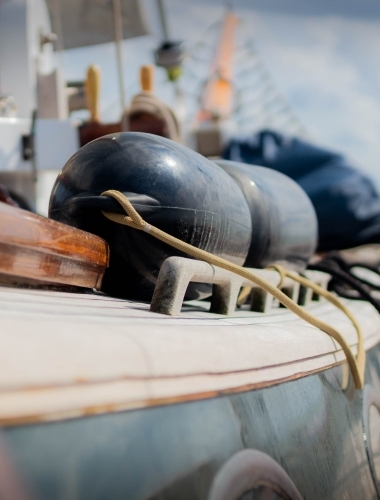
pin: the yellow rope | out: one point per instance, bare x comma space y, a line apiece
357, 365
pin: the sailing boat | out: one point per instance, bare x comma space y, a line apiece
107, 397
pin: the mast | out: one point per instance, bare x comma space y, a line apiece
239, 84
217, 94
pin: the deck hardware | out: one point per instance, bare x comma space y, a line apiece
177, 272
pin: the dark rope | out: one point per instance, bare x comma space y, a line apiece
341, 273
362, 280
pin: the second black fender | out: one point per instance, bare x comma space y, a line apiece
284, 223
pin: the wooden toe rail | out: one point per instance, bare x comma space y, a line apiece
37, 250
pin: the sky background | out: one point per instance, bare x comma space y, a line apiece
323, 58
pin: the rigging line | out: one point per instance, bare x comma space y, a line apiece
357, 364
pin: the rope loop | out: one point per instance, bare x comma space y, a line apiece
133, 218
356, 364
281, 272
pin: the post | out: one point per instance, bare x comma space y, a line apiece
118, 28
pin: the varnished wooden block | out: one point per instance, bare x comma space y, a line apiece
37, 250
92, 130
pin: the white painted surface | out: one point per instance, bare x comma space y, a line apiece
11, 131
45, 183
67, 354
56, 142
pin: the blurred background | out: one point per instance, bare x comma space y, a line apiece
321, 57
71, 71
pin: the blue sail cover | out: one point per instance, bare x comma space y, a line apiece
346, 201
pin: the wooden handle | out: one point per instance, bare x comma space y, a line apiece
147, 78
93, 92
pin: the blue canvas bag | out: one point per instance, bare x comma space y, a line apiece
346, 201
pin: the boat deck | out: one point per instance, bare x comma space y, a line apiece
64, 355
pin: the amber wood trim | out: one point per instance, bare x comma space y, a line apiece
114, 407
36, 248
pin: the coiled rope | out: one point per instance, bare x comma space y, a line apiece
342, 274
356, 364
